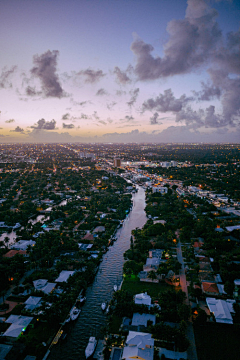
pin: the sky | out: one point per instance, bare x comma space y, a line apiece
139, 71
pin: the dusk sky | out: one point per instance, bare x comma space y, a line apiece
120, 71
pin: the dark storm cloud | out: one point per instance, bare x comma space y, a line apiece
192, 41
42, 124
6, 76
101, 92
68, 126
45, 67
66, 116
134, 94
154, 119
91, 76
166, 102
121, 76
9, 121
18, 130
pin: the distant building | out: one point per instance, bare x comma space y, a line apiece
117, 162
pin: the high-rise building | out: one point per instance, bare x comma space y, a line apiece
117, 162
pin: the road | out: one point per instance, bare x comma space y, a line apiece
191, 351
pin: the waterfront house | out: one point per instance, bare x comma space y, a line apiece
44, 286
18, 325
138, 345
64, 275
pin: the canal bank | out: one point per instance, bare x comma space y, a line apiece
92, 320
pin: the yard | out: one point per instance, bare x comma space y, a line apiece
217, 341
134, 286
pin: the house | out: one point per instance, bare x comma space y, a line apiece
33, 302
221, 309
64, 275
12, 253
23, 244
138, 345
142, 319
210, 288
44, 286
89, 237
18, 325
155, 253
99, 229
151, 264
143, 299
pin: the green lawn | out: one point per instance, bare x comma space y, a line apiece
134, 286
217, 341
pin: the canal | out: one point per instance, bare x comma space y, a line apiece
92, 319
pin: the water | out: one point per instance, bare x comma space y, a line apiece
92, 319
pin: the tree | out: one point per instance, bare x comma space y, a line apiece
152, 275
229, 287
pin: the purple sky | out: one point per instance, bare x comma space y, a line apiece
120, 71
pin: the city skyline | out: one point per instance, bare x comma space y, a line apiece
120, 71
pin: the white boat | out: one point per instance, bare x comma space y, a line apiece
74, 313
82, 299
92, 343
115, 287
107, 310
103, 306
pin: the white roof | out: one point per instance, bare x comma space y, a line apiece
220, 309
23, 244
44, 286
64, 275
142, 298
142, 319
33, 300
231, 228
19, 323
237, 282
138, 345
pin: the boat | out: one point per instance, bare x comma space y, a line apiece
74, 313
108, 309
103, 306
81, 299
67, 319
115, 287
92, 343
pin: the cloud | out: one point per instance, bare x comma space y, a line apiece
121, 76
154, 119
66, 116
95, 115
68, 126
134, 94
208, 92
91, 76
111, 105
6, 76
120, 92
84, 116
45, 67
101, 92
192, 41
18, 130
31, 91
9, 121
166, 102
102, 122
45, 125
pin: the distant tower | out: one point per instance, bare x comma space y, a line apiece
117, 162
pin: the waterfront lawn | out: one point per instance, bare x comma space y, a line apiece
134, 286
217, 341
